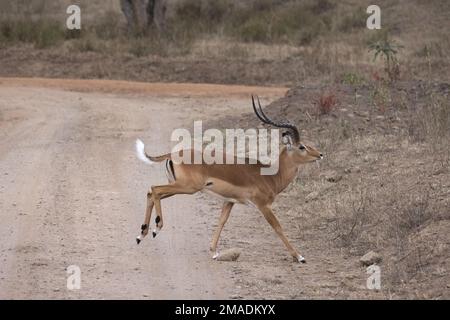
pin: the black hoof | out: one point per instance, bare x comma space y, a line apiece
138, 240
303, 261
154, 234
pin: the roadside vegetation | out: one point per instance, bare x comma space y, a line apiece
264, 41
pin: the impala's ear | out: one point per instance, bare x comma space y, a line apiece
286, 139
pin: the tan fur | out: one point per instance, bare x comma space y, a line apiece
240, 183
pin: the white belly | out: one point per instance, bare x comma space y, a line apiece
216, 195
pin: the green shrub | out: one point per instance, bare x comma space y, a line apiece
388, 50
352, 79
296, 22
108, 26
254, 29
353, 20
293, 22
43, 33
50, 33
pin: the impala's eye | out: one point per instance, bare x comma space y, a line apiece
302, 147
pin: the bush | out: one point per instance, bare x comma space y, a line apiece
326, 103
254, 30
201, 16
42, 34
353, 20
352, 79
292, 22
108, 26
50, 33
259, 21
190, 10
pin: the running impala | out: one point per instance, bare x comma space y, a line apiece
235, 183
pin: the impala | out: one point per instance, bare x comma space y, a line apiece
235, 183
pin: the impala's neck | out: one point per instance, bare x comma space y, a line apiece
287, 171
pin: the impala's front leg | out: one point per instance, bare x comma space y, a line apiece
273, 221
226, 209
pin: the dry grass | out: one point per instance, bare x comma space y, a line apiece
271, 41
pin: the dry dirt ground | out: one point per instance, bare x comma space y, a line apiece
73, 193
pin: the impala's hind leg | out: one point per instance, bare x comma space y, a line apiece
148, 213
161, 192
145, 227
226, 209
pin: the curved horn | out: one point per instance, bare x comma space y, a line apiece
262, 116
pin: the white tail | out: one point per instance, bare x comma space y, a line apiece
140, 152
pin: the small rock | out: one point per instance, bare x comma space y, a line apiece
312, 196
229, 255
362, 114
332, 176
332, 270
355, 169
370, 258
440, 171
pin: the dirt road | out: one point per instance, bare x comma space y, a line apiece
73, 193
